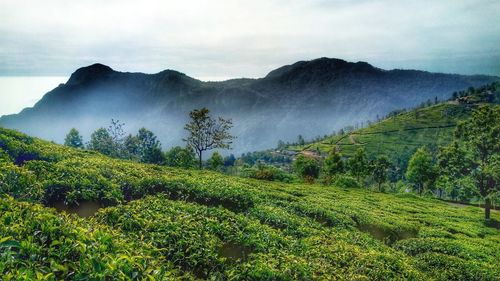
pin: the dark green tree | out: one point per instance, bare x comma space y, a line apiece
101, 141
421, 171
74, 139
358, 165
180, 157
149, 147
131, 146
476, 153
216, 162
307, 168
229, 160
332, 166
380, 167
207, 133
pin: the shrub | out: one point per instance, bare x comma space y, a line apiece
307, 168
345, 181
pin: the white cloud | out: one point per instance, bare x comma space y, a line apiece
232, 38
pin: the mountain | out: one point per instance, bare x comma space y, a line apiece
308, 97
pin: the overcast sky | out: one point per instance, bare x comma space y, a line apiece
229, 38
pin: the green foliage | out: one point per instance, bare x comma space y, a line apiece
18, 182
216, 162
149, 147
229, 160
476, 152
307, 168
332, 166
345, 181
358, 165
101, 141
38, 244
266, 172
74, 139
143, 147
207, 133
380, 167
400, 135
180, 157
421, 170
131, 148
268, 157
175, 224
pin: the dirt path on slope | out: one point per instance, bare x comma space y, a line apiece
353, 140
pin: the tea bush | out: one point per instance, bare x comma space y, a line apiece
162, 223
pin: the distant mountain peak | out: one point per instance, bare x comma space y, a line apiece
89, 73
319, 67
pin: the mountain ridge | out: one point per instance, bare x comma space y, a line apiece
307, 97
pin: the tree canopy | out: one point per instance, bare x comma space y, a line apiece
205, 132
306, 167
421, 171
74, 139
358, 165
380, 168
475, 153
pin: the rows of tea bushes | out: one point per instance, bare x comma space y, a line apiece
161, 223
216, 243
36, 243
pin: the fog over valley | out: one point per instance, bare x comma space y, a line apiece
310, 98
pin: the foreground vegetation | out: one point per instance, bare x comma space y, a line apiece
164, 223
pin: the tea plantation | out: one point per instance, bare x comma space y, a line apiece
398, 136
159, 223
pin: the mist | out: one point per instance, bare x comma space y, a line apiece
19, 92
309, 98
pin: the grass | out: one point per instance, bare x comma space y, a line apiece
161, 223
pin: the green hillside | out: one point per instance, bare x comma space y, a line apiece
399, 135
160, 223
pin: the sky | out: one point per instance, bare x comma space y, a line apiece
217, 40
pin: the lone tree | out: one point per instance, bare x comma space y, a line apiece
332, 166
207, 133
476, 153
101, 141
307, 168
380, 168
74, 139
358, 165
149, 147
421, 171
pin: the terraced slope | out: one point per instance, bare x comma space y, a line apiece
398, 136
160, 223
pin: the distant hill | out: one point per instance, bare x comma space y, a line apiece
399, 135
308, 97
